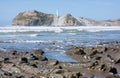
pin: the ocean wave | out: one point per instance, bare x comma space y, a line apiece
20, 35
58, 29
30, 41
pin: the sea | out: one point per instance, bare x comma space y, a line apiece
55, 41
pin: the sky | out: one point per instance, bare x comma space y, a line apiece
95, 9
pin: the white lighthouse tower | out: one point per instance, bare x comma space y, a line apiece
56, 18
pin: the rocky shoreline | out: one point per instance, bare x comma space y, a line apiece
100, 61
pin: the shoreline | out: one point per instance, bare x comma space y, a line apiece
102, 62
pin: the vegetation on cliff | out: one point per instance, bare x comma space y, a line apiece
31, 18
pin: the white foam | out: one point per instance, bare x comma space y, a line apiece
31, 41
7, 29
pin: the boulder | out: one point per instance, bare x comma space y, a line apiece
24, 60
113, 70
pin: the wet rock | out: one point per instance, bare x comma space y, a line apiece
7, 74
14, 52
79, 51
113, 70
52, 62
74, 75
59, 67
6, 60
98, 50
118, 61
98, 58
34, 57
34, 65
39, 52
109, 56
24, 60
94, 53
20, 76
38, 57
94, 64
42, 58
104, 67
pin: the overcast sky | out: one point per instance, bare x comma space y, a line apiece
95, 9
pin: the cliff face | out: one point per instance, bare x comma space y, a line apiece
69, 20
35, 18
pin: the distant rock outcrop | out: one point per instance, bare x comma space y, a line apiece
69, 20
35, 18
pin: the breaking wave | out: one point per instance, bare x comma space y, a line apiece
12, 29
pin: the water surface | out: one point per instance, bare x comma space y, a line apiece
55, 41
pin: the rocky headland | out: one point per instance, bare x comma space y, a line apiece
36, 18
101, 61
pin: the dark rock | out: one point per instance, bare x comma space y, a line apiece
34, 65
38, 57
7, 74
75, 75
79, 51
14, 52
99, 50
110, 57
94, 53
98, 58
14, 65
94, 64
24, 60
104, 67
6, 60
34, 57
26, 52
59, 67
113, 70
118, 61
